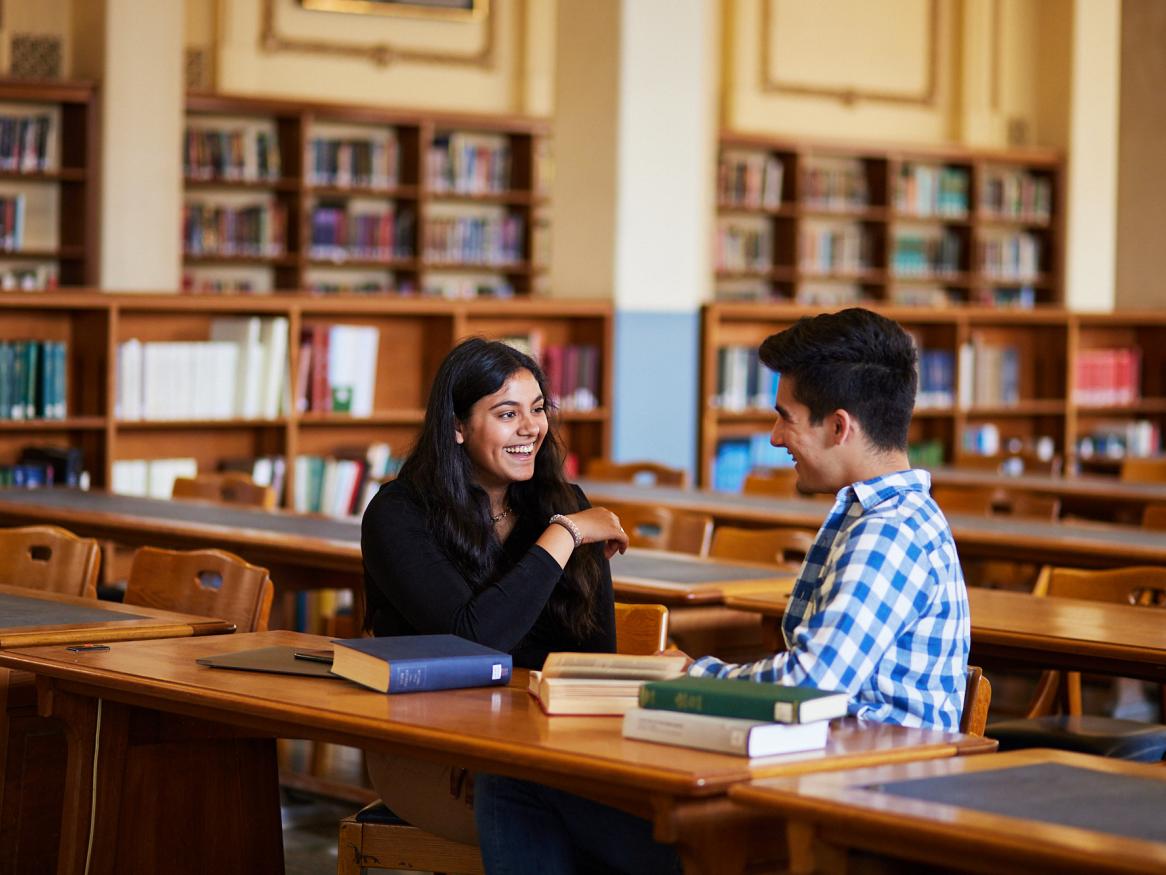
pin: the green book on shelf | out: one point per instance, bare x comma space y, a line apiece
728, 697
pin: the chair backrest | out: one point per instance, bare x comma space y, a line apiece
640, 629
775, 546
636, 472
1137, 585
774, 482
977, 699
649, 527
49, 559
207, 583
1029, 506
230, 487
964, 499
1154, 517
692, 532
1153, 470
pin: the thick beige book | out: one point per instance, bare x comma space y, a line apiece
597, 683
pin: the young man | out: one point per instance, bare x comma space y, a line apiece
879, 608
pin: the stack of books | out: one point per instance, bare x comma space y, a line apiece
734, 716
597, 683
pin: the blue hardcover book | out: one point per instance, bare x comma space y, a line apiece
416, 663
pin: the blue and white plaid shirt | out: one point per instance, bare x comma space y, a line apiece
879, 609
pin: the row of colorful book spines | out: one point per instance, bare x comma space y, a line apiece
752, 180
474, 238
830, 248
316, 611
573, 375
221, 230
388, 233
743, 382
736, 457
1018, 194
373, 163
339, 486
1018, 254
33, 379
12, 221
1108, 376
470, 168
236, 154
931, 190
24, 143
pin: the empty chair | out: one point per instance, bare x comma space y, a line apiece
774, 546
1072, 730
692, 532
1152, 470
375, 838
1036, 507
49, 559
647, 527
977, 699
1154, 517
647, 473
975, 500
774, 482
229, 487
208, 583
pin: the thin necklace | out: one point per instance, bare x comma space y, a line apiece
497, 519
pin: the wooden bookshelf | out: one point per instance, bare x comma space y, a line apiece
1038, 396
414, 335
49, 171
829, 223
355, 198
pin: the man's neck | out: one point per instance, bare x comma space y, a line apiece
873, 465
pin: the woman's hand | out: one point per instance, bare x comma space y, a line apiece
598, 524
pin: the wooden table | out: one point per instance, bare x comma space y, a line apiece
1016, 628
679, 579
32, 771
186, 779
1088, 545
1086, 824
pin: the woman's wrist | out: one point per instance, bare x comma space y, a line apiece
568, 524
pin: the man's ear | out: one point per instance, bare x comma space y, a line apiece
842, 426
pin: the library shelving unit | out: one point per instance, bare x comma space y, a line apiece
829, 223
283, 195
1089, 387
48, 184
414, 335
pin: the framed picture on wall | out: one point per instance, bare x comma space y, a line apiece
452, 9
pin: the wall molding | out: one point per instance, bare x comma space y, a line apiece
381, 54
772, 83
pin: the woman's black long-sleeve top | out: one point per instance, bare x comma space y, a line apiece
412, 588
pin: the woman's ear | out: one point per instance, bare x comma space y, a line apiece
457, 432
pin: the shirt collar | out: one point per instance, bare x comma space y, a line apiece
870, 493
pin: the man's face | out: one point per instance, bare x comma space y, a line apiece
808, 444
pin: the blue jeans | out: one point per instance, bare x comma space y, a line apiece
529, 829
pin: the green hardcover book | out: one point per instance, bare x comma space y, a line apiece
739, 698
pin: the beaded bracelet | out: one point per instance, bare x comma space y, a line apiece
569, 525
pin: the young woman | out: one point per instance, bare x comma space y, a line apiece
481, 536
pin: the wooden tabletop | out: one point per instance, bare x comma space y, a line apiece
1098, 545
91, 621
1068, 634
1094, 488
678, 579
495, 729
866, 809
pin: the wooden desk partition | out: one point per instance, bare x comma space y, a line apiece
186, 779
973, 814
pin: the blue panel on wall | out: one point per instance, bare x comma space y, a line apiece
656, 367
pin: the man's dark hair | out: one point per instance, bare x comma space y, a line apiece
854, 360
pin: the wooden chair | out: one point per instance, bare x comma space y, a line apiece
775, 483
1060, 691
1036, 507
977, 698
50, 559
1154, 517
229, 487
647, 527
209, 583
375, 838
1149, 470
775, 546
975, 500
636, 472
692, 532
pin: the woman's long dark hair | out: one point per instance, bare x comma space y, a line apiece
439, 474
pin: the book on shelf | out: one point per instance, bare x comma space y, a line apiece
152, 478
729, 697
597, 683
418, 663
752, 738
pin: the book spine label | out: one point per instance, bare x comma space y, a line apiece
704, 702
411, 676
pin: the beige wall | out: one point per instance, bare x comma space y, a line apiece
428, 62
1141, 191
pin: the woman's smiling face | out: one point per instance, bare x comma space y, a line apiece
504, 431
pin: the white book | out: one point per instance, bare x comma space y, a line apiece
352, 361
273, 332
584, 696
245, 333
161, 474
129, 380
128, 477
626, 666
733, 735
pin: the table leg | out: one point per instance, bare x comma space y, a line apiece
715, 836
